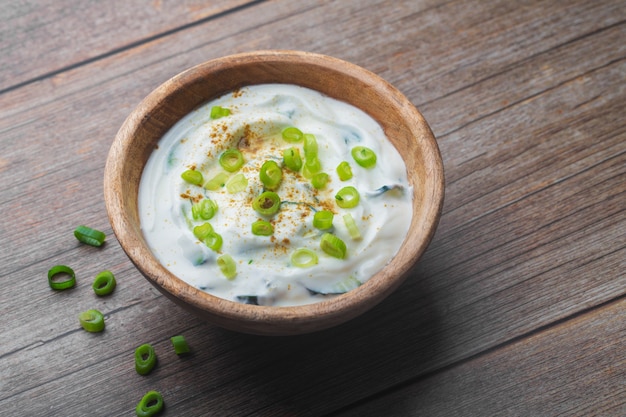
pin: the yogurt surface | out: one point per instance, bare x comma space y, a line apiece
265, 270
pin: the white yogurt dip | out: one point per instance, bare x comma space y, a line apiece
265, 271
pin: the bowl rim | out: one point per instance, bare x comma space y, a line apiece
315, 316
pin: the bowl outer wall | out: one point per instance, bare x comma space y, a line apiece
160, 110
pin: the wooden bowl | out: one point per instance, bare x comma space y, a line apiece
401, 121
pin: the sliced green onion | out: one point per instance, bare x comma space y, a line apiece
214, 241
180, 344
270, 174
364, 156
344, 171
262, 228
227, 265
311, 167
304, 258
219, 111
347, 197
89, 236
61, 285
237, 183
310, 146
323, 219
204, 209
104, 283
145, 359
150, 404
319, 180
333, 246
216, 182
292, 134
267, 203
92, 320
202, 231
352, 227
292, 159
231, 160
192, 177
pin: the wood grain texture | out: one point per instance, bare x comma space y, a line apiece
526, 100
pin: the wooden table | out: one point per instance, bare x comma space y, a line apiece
518, 307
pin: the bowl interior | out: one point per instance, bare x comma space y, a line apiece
403, 124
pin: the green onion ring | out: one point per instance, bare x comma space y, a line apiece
270, 174
213, 241
237, 183
150, 404
145, 359
217, 182
344, 171
333, 246
104, 283
192, 177
262, 228
292, 159
310, 147
323, 219
364, 156
319, 180
347, 197
202, 231
304, 258
352, 227
231, 160
227, 265
267, 203
311, 167
61, 285
89, 236
292, 134
92, 320
180, 344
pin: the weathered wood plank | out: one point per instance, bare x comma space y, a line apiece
39, 38
532, 230
576, 368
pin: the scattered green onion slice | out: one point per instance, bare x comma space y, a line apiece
104, 283
364, 156
323, 219
227, 265
192, 177
237, 183
92, 320
262, 228
352, 227
61, 285
219, 111
267, 203
292, 134
231, 160
145, 359
310, 146
347, 197
202, 231
304, 258
180, 344
344, 171
89, 236
319, 180
204, 209
333, 246
214, 241
311, 167
216, 182
292, 159
150, 404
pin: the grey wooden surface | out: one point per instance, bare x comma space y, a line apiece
516, 309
